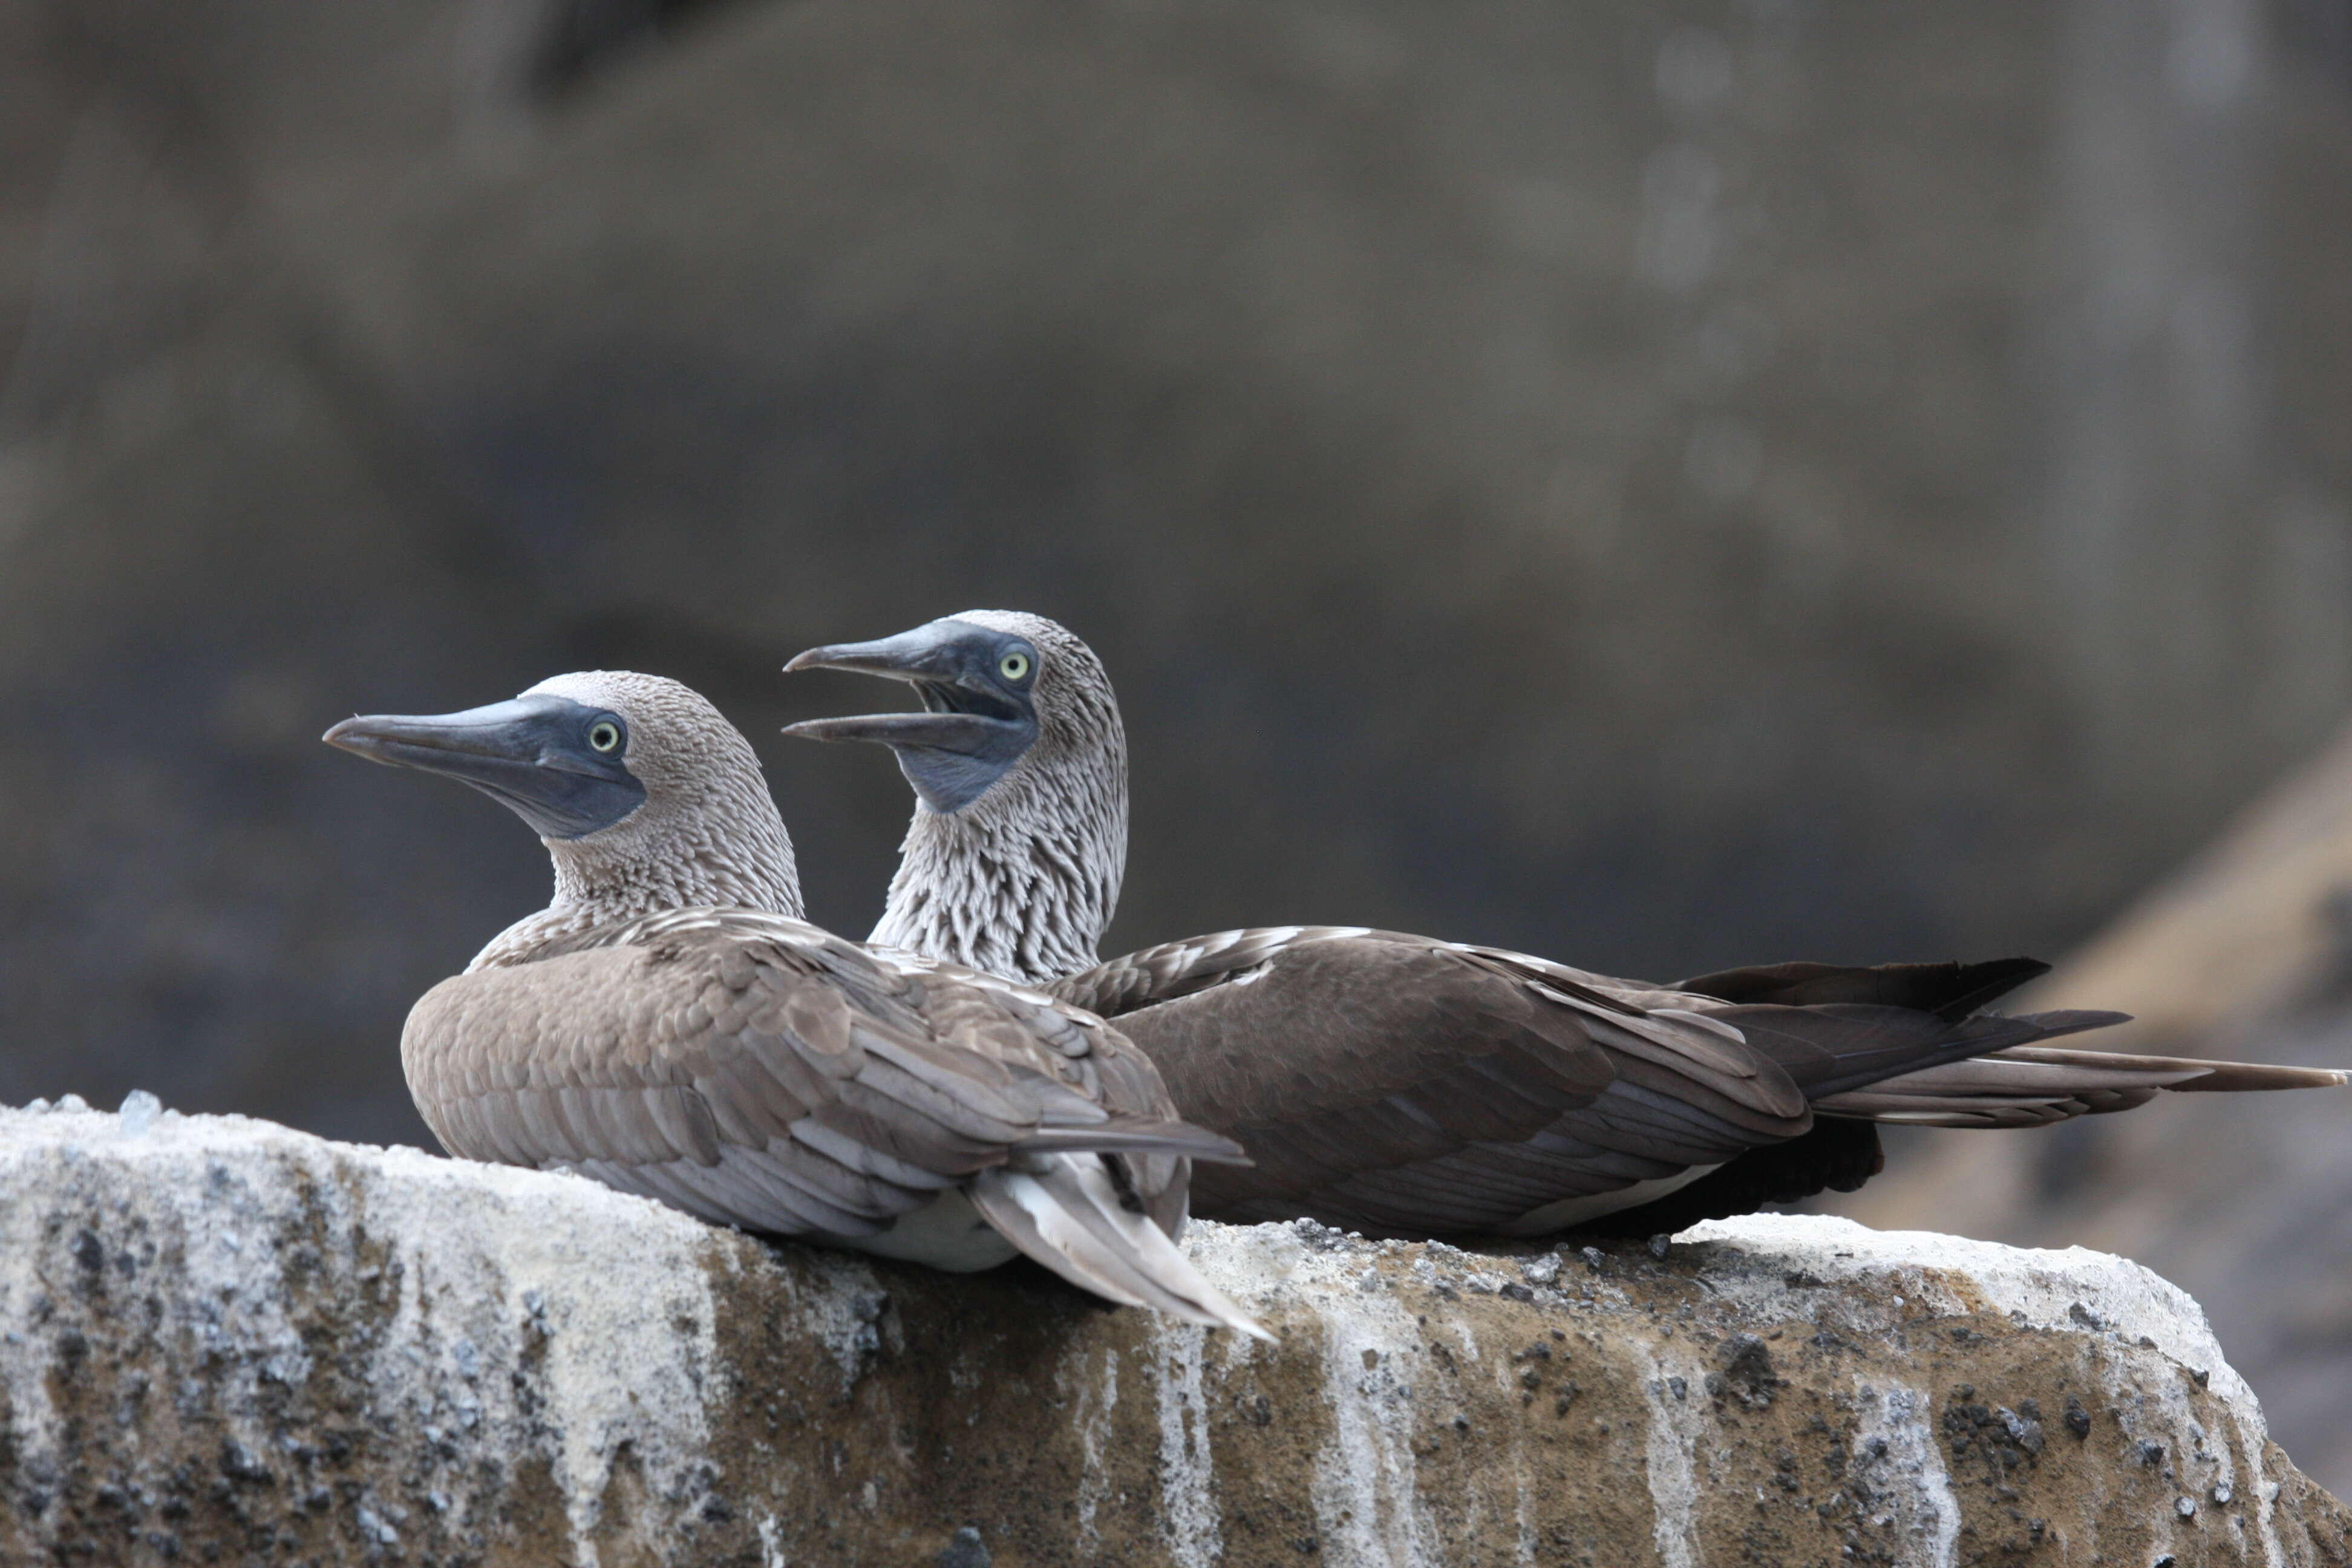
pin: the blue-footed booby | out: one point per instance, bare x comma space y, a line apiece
1406, 1086
671, 1026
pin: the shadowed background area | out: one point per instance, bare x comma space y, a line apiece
1662, 486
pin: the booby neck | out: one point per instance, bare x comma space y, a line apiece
1008, 891
749, 865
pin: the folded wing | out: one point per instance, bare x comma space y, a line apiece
762, 1073
1401, 1086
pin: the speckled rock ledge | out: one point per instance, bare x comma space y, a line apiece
222, 1340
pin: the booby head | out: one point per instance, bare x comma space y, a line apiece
995, 685
646, 797
557, 763
1013, 859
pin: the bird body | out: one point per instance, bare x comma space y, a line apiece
669, 1027
1429, 1087
1407, 1086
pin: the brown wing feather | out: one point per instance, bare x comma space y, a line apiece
1402, 1086
762, 1072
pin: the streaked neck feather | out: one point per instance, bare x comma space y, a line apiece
750, 869
986, 890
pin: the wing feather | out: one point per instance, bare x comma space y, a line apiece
756, 1071
1419, 1086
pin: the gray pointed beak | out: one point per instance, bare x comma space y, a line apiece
932, 652
533, 755
947, 731
491, 737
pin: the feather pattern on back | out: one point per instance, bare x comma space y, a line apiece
810, 1084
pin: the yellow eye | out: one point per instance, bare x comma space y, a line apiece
1014, 666
604, 735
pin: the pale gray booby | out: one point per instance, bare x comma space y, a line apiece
1400, 1085
671, 1026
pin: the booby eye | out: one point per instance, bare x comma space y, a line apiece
1014, 666
604, 735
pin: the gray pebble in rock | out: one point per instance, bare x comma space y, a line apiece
965, 1551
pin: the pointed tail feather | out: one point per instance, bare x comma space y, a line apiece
2049, 1025
1068, 1216
1829, 1048
2200, 1076
1134, 1135
1987, 1092
2030, 1086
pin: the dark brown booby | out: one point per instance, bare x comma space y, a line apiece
669, 1026
1400, 1085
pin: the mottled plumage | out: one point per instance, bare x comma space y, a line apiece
1401, 1085
746, 1067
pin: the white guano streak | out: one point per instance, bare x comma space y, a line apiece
1188, 1506
1894, 1451
2264, 1496
1091, 1405
483, 1266
1367, 1509
1672, 1457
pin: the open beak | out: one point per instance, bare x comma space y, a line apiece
968, 733
957, 715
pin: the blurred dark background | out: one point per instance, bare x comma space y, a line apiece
1659, 485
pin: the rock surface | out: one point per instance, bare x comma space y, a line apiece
223, 1340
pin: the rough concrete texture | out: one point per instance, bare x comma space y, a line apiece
222, 1340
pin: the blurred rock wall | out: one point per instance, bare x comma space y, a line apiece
1665, 485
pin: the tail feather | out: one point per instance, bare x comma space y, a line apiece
2063, 1021
1829, 1049
1951, 991
2027, 1086
1134, 1135
1067, 1215
2197, 1075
